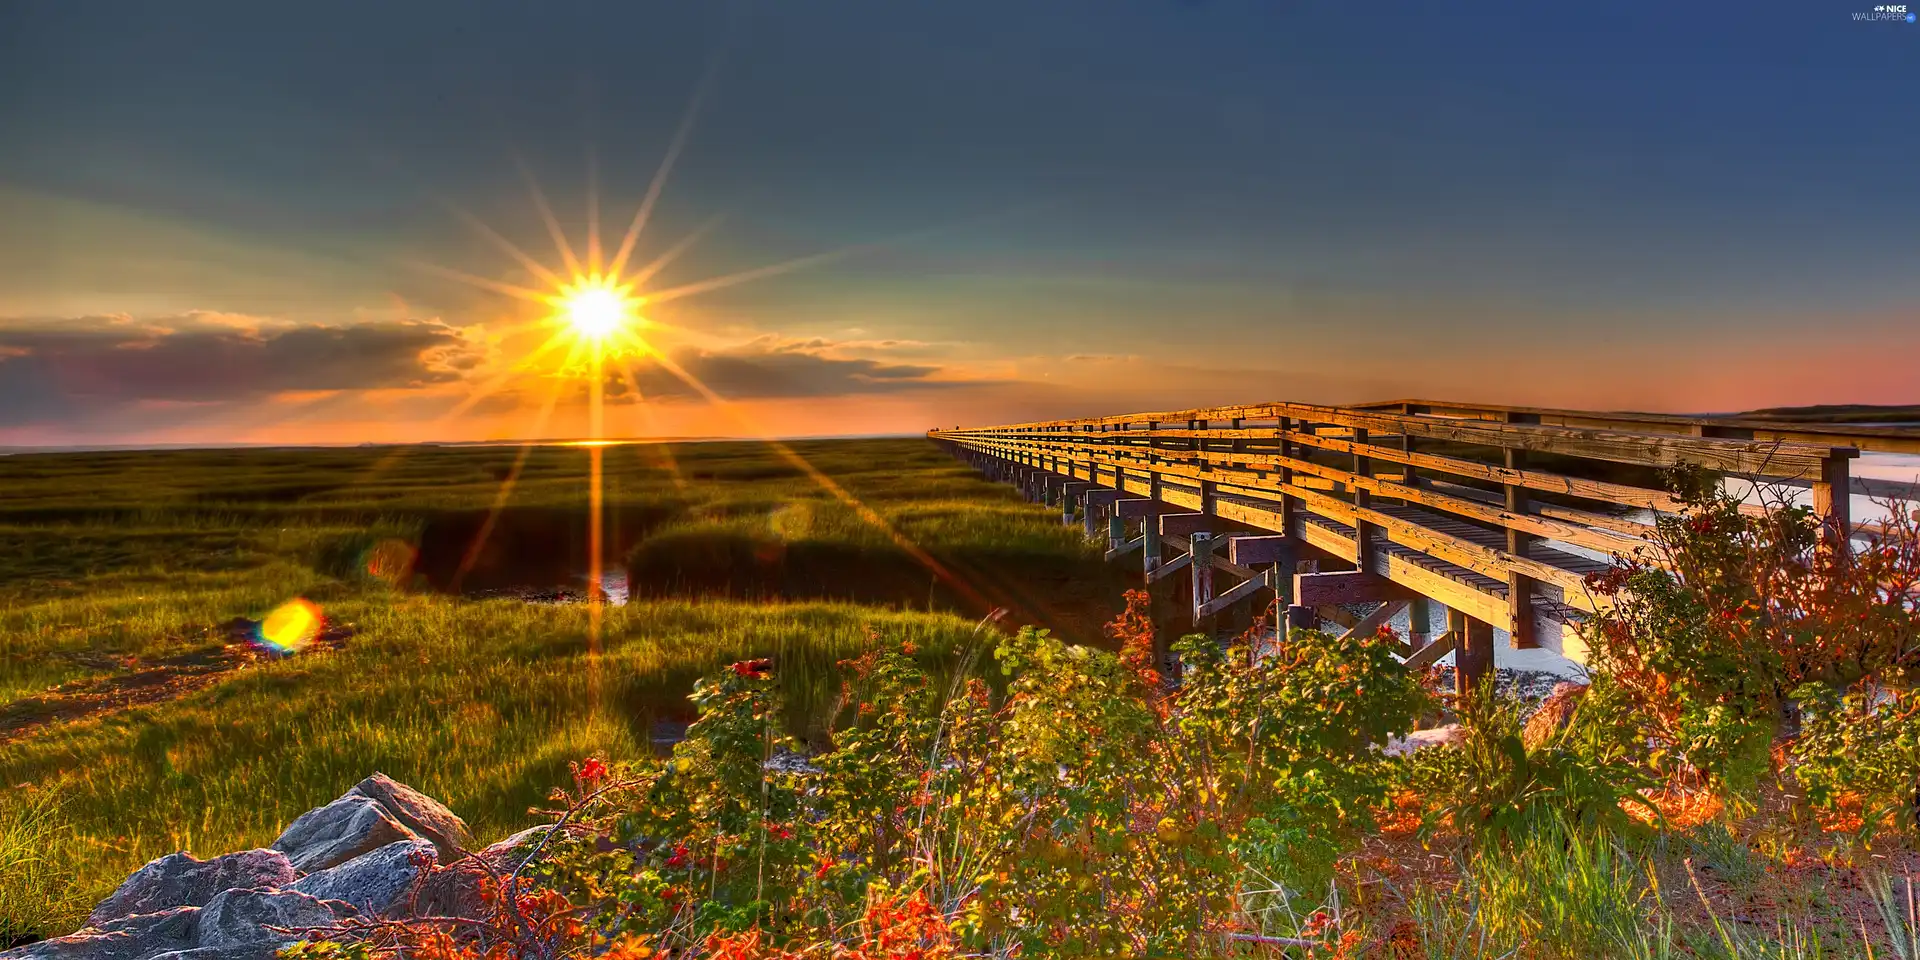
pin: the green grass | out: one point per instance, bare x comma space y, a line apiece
109, 561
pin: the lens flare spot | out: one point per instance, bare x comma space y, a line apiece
291, 627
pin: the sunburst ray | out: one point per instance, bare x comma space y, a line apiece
552, 222
658, 184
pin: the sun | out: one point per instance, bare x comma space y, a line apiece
596, 309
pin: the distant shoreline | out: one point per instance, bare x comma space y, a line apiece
577, 442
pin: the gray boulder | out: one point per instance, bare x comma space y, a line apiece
181, 880
425, 816
136, 937
331, 835
239, 918
381, 882
264, 950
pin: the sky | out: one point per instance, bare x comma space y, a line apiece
247, 222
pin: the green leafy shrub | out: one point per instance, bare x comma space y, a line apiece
1494, 783
1708, 632
1860, 750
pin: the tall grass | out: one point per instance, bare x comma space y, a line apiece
36, 889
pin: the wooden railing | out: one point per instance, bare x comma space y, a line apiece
1498, 512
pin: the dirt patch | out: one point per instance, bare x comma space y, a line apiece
142, 682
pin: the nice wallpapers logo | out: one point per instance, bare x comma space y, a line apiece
1886, 13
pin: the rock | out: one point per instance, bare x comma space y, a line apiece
380, 882
1450, 735
237, 918
457, 889
425, 816
135, 937
264, 950
331, 835
181, 880
1555, 712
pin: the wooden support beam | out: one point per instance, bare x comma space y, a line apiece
1185, 524
1257, 550
1101, 499
1353, 586
1200, 552
1372, 622
1149, 546
1158, 572
1129, 509
1419, 621
1473, 656
1301, 618
1240, 591
1122, 548
1430, 654
1070, 492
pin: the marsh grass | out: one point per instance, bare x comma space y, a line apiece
33, 890
108, 561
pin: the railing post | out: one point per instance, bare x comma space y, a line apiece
1519, 586
1364, 530
1200, 548
1412, 478
1289, 505
1833, 503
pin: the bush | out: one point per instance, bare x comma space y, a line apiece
1732, 609
1494, 783
1087, 810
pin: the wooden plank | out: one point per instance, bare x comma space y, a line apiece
1892, 439
1773, 458
1889, 439
1133, 508
1185, 524
1372, 622
1353, 586
1240, 591
1101, 499
1161, 571
1603, 541
1248, 551
1430, 654
1619, 493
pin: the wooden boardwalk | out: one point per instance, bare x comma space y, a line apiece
1498, 513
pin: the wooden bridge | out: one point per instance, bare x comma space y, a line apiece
1497, 513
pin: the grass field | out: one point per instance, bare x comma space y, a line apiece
118, 572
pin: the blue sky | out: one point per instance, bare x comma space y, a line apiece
1083, 206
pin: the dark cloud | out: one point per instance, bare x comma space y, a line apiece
767, 368
57, 369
